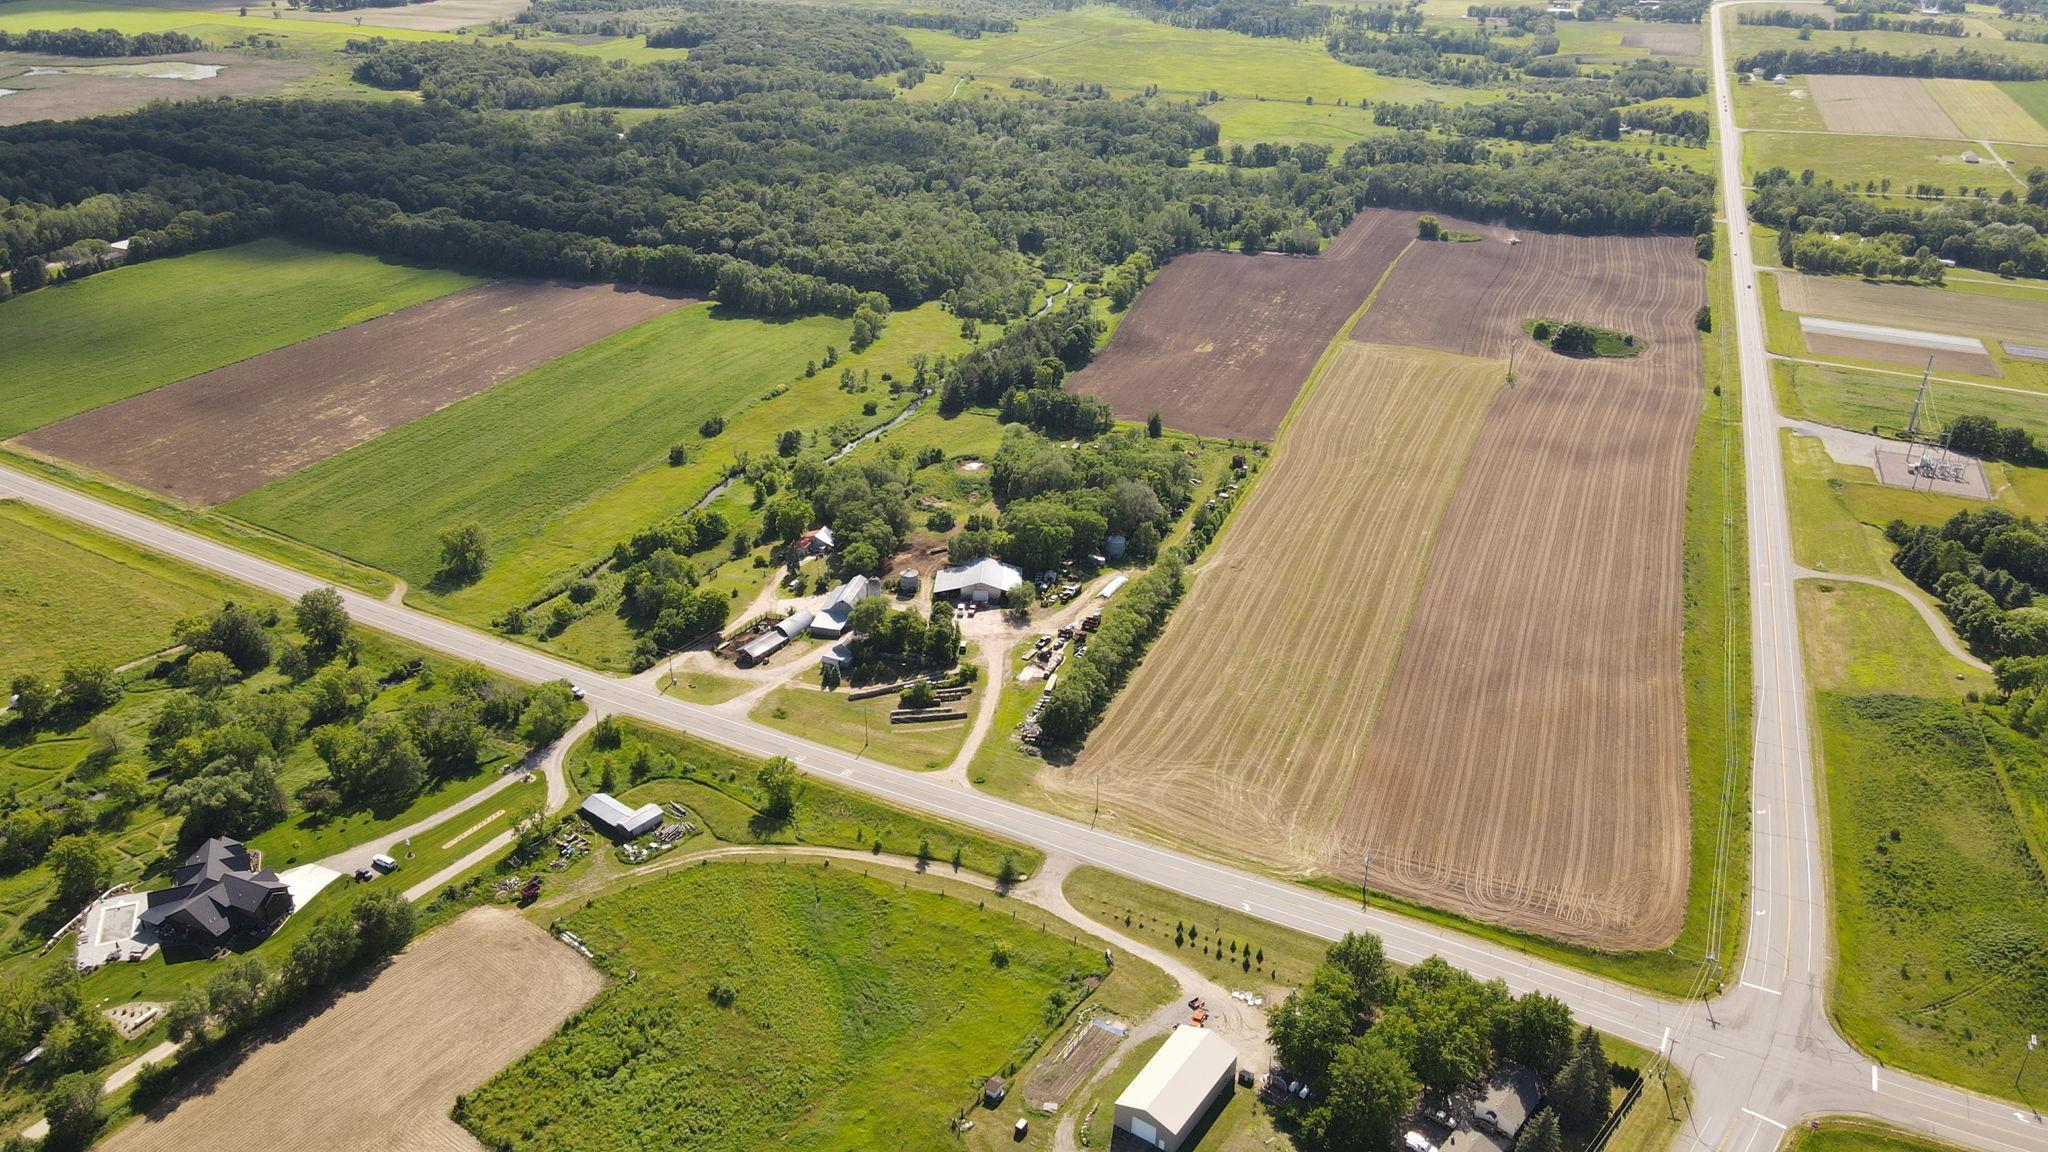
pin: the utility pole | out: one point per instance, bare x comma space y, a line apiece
2033, 1042
1365, 881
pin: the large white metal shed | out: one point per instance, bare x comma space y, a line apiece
1167, 1101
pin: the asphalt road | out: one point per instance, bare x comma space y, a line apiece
1761, 1053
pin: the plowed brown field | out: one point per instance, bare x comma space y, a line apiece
1247, 719
1528, 766
1219, 344
213, 437
1445, 626
381, 1067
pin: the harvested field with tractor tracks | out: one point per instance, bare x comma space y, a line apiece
1911, 306
1219, 343
212, 437
461, 1003
1248, 717
1536, 713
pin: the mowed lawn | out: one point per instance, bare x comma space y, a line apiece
71, 347
1864, 639
1860, 399
772, 1005
73, 596
560, 463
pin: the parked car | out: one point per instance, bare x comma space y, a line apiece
383, 863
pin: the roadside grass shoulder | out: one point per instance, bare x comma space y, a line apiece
75, 346
765, 1005
1855, 1134
826, 815
1232, 948
1941, 917
700, 687
1827, 535
75, 596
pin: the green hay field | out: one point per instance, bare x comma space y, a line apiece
563, 461
770, 1006
1941, 912
76, 346
74, 596
1857, 159
218, 28
1861, 399
2031, 95
1125, 53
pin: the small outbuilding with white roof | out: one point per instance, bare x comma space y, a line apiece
618, 820
1177, 1087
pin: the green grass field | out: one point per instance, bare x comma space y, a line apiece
75, 596
76, 346
563, 461
218, 28
1752, 37
769, 1005
1941, 912
1860, 639
1783, 107
1859, 159
1248, 121
862, 726
1125, 52
717, 785
1863, 399
2031, 95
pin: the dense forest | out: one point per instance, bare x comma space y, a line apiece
1987, 567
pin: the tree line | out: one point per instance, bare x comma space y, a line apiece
1986, 567
1367, 1040
104, 42
1961, 64
2003, 236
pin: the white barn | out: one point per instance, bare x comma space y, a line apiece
829, 623
982, 581
619, 820
1177, 1087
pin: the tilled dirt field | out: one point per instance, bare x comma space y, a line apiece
1880, 105
1218, 344
1528, 766
379, 1068
1245, 723
1912, 306
213, 437
1906, 355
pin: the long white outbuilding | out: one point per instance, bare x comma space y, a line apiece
1167, 1101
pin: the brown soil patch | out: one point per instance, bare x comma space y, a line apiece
213, 437
1907, 355
381, 1066
1880, 106
72, 95
1080, 1053
1664, 42
1528, 766
1218, 344
1913, 306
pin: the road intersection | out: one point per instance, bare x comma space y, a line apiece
1761, 1053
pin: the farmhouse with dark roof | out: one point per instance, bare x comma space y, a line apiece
217, 892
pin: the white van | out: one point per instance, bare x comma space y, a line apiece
383, 863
